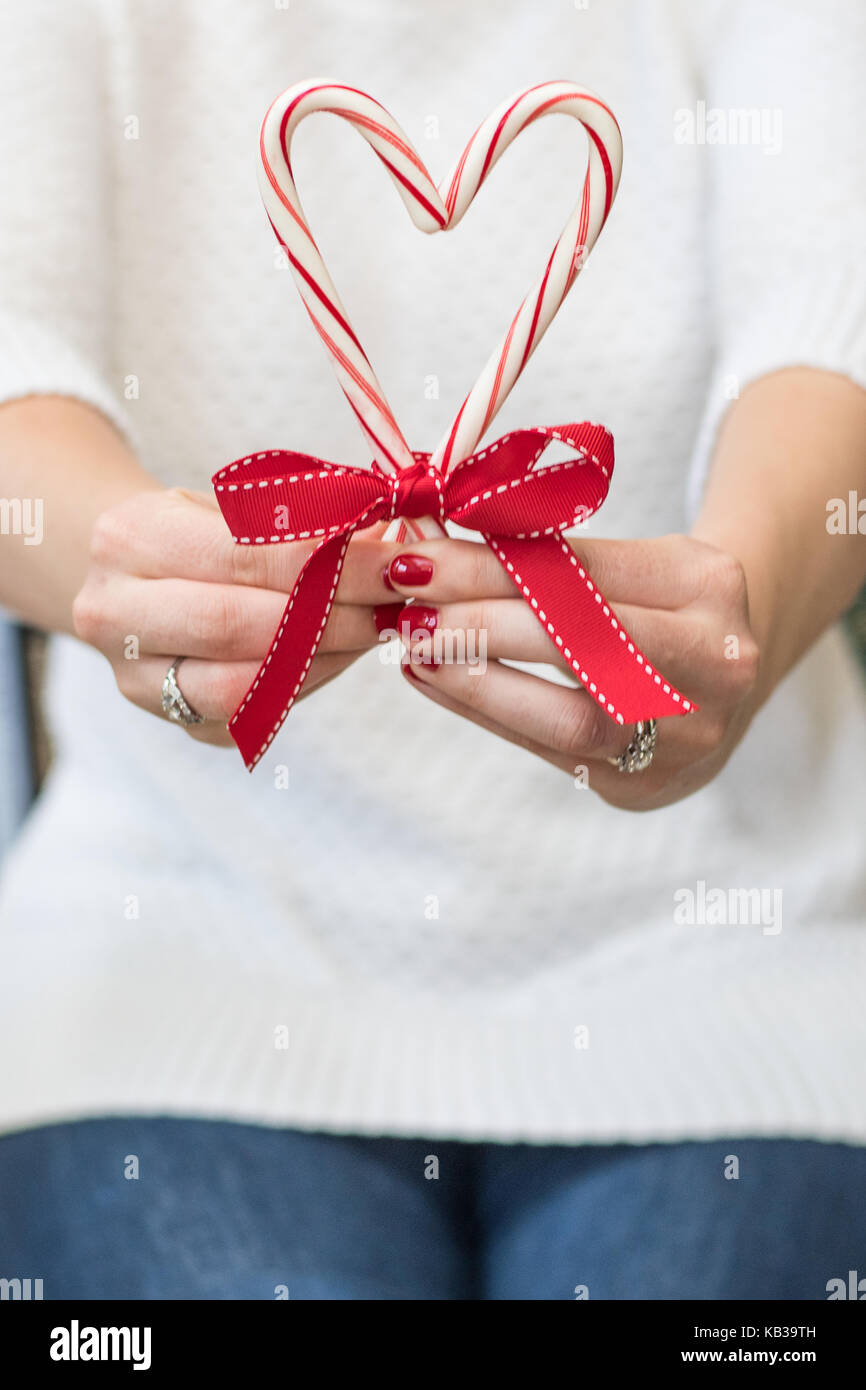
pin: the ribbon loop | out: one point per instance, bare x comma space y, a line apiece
519, 510
511, 495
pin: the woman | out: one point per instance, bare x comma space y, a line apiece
417, 1010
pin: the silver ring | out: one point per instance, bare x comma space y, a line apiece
173, 703
639, 754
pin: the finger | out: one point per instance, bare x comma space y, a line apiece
175, 533
639, 792
659, 572
445, 571
663, 572
563, 720
324, 670
221, 622
565, 762
213, 689
181, 534
682, 644
362, 577
430, 691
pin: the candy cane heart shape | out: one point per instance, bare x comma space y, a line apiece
518, 508
435, 209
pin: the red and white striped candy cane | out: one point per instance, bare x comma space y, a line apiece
435, 209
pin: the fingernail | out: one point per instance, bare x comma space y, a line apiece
420, 655
386, 616
429, 664
410, 570
418, 618
386, 581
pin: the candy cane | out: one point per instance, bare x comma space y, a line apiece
435, 209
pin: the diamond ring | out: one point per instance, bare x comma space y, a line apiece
174, 704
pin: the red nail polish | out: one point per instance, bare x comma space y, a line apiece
386, 581
410, 570
386, 616
421, 654
418, 619
409, 669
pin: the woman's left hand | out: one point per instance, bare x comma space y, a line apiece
684, 603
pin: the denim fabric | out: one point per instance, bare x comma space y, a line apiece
233, 1211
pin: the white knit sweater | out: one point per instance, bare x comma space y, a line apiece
180, 937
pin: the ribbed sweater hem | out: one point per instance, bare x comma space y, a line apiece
727, 1054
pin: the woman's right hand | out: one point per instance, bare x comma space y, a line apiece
166, 579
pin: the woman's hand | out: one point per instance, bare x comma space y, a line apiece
166, 580
791, 442
683, 601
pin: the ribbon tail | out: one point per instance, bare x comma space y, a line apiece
279, 679
585, 629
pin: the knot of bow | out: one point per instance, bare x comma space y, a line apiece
417, 491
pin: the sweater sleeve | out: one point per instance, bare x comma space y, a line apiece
787, 212
55, 229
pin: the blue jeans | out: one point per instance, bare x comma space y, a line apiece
174, 1208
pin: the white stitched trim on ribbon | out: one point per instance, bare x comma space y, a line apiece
242, 463
438, 483
641, 660
573, 662
280, 482
288, 536
308, 663
548, 436
518, 482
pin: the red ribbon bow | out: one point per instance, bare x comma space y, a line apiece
519, 510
